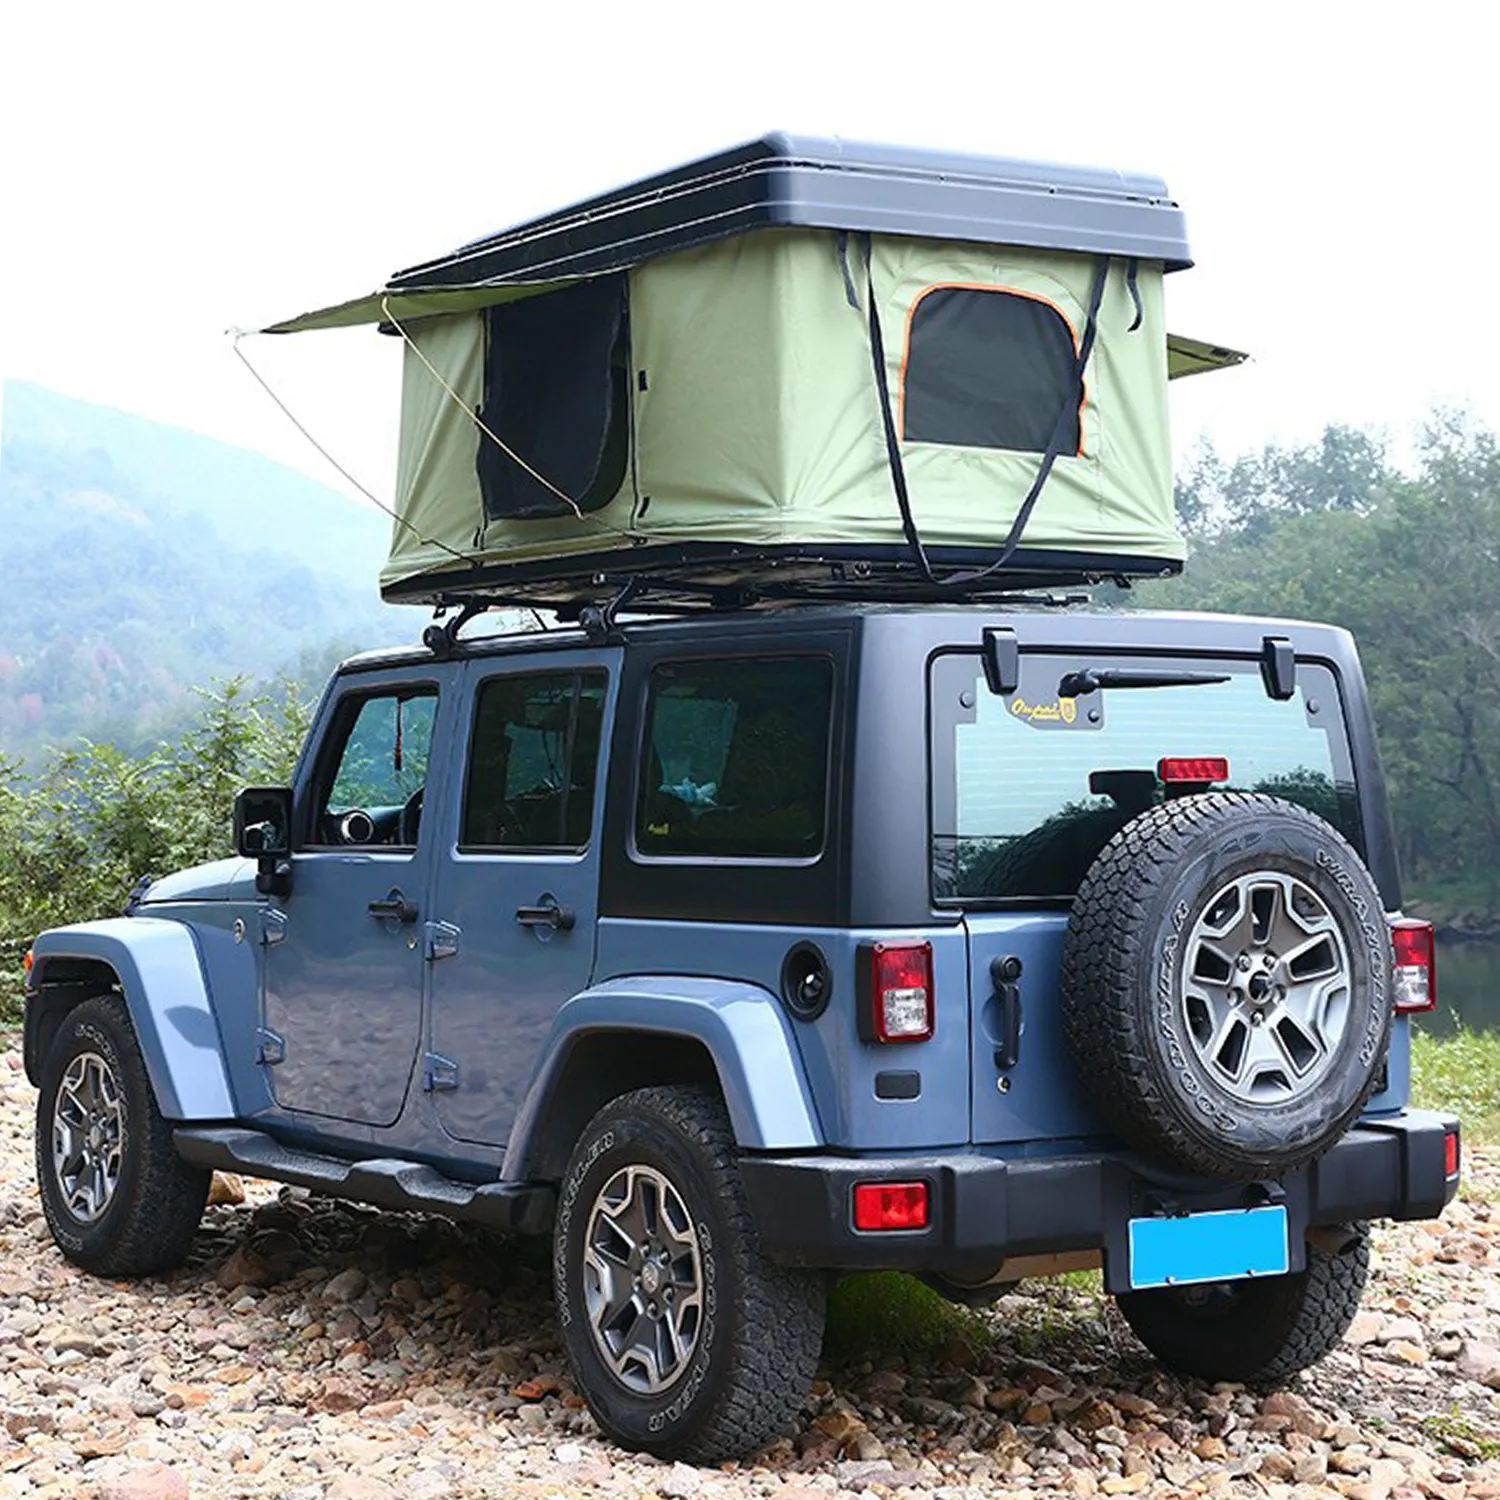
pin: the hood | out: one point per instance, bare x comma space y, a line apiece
219, 880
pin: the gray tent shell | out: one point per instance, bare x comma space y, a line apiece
799, 367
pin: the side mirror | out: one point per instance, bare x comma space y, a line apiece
263, 832
263, 822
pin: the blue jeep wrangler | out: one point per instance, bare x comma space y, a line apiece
983, 943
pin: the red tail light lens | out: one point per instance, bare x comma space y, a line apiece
890, 1205
1450, 1153
1203, 769
901, 991
1416, 969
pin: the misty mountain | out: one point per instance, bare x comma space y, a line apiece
138, 560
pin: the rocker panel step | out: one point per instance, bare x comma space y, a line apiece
386, 1182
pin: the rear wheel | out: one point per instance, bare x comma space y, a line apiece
685, 1340
1256, 1332
117, 1197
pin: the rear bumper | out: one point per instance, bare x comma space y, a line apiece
984, 1210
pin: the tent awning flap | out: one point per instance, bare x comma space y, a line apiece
1193, 357
412, 304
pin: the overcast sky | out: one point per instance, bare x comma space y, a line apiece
170, 171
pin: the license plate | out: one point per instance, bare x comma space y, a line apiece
1224, 1245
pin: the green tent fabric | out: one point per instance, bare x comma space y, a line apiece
754, 417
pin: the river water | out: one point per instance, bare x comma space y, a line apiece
1468, 985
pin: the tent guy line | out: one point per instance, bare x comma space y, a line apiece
236, 334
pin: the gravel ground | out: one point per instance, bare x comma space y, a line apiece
319, 1351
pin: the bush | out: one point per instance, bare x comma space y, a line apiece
1460, 1073
75, 837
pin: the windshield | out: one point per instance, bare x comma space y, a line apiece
1028, 787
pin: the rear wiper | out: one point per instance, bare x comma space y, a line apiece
1091, 679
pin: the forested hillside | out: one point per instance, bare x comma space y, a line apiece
141, 561
1410, 562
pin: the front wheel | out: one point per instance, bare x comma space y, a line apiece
684, 1339
117, 1197
1257, 1332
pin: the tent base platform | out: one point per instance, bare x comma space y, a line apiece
707, 575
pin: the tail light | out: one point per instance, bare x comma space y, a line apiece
1450, 1154
897, 1005
1201, 770
890, 1205
1416, 971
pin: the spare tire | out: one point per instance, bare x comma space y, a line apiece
1226, 984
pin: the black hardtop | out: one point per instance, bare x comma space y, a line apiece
785, 180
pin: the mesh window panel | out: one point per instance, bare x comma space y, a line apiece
556, 392
987, 368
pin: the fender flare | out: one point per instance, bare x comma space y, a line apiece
743, 1028
166, 992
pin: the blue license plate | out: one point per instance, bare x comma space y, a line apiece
1225, 1245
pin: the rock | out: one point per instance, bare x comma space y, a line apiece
1406, 1351
1124, 1484
1133, 1405
567, 1453
681, 1482
958, 1353
1349, 1461
1211, 1449
151, 1482
1277, 1466
885, 1383
866, 1447
346, 1286
1036, 1414
1288, 1404
225, 1188
1095, 1414
856, 1474
245, 1267
1311, 1468
340, 1394
1364, 1328
838, 1424
1401, 1328
359, 1487
1478, 1361
925, 1410
1385, 1475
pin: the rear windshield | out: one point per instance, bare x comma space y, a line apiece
1028, 787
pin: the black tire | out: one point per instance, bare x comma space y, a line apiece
1147, 1051
1260, 1333
756, 1340
146, 1222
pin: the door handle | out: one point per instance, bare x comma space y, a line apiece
548, 912
394, 906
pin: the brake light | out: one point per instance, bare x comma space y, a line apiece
890, 1205
27, 959
1450, 1153
1416, 970
1203, 769
901, 992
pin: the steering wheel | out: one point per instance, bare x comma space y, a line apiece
411, 819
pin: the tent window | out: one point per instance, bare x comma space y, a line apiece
987, 368
555, 392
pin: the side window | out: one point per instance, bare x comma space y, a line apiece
371, 793
532, 761
987, 368
735, 759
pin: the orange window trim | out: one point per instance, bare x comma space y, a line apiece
982, 286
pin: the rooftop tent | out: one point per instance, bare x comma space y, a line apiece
800, 366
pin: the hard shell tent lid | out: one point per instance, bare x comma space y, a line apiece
794, 367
